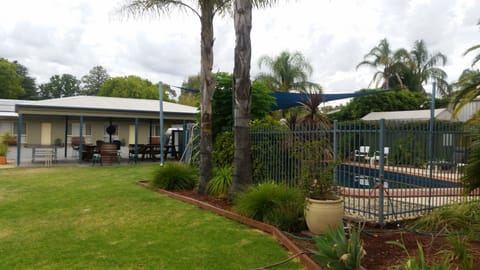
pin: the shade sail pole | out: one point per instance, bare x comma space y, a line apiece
162, 146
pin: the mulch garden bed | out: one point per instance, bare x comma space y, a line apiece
380, 255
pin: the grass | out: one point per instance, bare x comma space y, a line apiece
97, 218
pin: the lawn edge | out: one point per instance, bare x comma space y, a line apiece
279, 236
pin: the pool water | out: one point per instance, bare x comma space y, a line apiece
363, 177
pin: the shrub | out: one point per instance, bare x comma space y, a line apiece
459, 217
221, 181
336, 251
223, 149
278, 205
175, 176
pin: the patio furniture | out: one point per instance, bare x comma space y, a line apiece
362, 153
75, 142
376, 156
108, 154
48, 154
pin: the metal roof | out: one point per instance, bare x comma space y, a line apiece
113, 103
440, 114
7, 107
106, 107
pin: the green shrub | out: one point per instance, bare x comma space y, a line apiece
221, 181
278, 205
175, 176
459, 217
223, 150
336, 251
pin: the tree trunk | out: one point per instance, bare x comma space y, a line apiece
207, 89
242, 172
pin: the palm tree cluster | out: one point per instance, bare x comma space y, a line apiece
402, 69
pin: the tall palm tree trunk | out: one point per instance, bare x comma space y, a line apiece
207, 90
242, 172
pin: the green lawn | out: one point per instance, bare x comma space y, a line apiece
97, 218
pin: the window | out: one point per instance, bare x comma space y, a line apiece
15, 128
74, 129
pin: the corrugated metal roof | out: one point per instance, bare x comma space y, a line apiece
114, 103
7, 107
440, 114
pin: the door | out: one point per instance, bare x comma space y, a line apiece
131, 134
46, 134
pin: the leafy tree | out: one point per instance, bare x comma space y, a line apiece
388, 101
205, 10
288, 71
131, 87
28, 83
92, 82
189, 97
388, 64
10, 81
65, 85
222, 102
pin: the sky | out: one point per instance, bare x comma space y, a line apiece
52, 37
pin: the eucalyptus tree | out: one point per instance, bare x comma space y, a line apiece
287, 71
423, 67
92, 82
205, 10
388, 63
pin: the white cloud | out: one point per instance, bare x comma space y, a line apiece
55, 36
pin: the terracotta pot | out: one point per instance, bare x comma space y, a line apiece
320, 214
3, 160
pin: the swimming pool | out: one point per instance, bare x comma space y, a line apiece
365, 177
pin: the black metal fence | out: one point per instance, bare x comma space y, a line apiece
386, 171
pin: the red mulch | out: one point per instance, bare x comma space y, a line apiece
380, 255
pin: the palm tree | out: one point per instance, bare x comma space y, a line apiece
469, 88
423, 68
390, 63
288, 71
242, 171
205, 10
468, 84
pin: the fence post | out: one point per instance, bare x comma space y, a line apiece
381, 216
335, 141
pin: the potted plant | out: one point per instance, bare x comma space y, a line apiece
9, 139
3, 150
323, 208
58, 142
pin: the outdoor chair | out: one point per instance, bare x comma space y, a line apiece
362, 153
376, 156
76, 146
108, 154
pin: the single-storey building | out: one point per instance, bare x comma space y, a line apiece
414, 115
56, 121
423, 115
